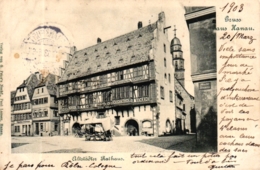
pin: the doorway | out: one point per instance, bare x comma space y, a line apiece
132, 128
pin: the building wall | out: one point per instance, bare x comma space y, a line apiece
202, 26
21, 118
44, 125
139, 114
164, 73
187, 106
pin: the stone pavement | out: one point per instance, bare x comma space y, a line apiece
70, 144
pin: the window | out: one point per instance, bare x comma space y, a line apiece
162, 92
164, 48
117, 120
42, 90
101, 115
106, 96
138, 71
120, 60
176, 65
143, 91
41, 126
120, 75
122, 92
45, 113
165, 76
171, 97
17, 128
169, 77
56, 126
89, 99
164, 62
183, 107
55, 113
103, 79
40, 101
45, 100
147, 124
38, 91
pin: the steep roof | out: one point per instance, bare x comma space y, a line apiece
177, 82
124, 50
50, 82
30, 83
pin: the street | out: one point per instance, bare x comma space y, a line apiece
71, 144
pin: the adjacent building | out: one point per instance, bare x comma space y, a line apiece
201, 22
34, 107
21, 116
130, 79
45, 117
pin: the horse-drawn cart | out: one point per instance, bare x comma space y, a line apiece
98, 129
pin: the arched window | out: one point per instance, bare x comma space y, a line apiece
147, 124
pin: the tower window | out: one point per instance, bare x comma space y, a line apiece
164, 62
176, 65
164, 48
169, 77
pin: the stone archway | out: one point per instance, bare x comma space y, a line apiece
76, 127
132, 128
168, 126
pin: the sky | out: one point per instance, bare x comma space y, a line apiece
81, 23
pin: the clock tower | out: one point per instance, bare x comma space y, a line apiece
177, 59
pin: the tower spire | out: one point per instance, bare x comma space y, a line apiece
174, 31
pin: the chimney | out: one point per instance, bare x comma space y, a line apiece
37, 75
140, 25
98, 40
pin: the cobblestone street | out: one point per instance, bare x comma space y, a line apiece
70, 144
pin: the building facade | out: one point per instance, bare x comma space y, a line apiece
21, 116
201, 22
128, 79
45, 117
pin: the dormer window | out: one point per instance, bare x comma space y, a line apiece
109, 63
95, 50
89, 70
121, 60
115, 43
86, 59
139, 35
105, 47
98, 66
85, 54
118, 50
132, 58
97, 56
127, 39
129, 47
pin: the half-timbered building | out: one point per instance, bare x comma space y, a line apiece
129, 78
